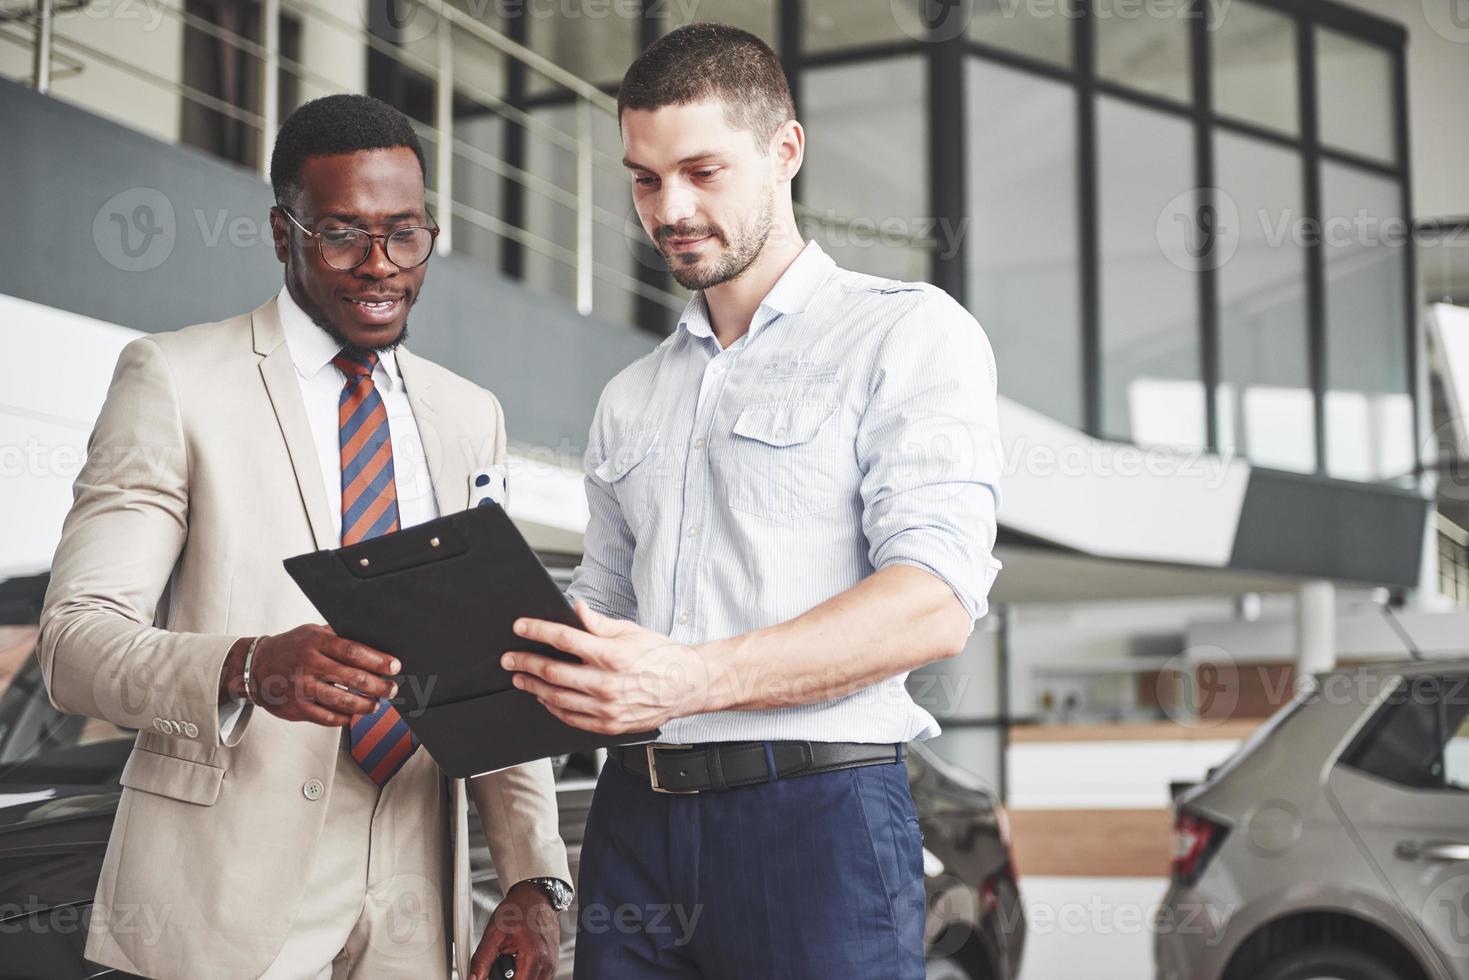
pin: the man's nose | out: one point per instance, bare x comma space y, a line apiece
675, 205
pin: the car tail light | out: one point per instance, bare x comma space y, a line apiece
1195, 839
1002, 823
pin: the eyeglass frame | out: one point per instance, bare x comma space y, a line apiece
433, 231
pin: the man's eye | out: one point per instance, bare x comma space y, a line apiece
645, 181
704, 174
339, 236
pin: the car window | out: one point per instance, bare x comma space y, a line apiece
1419, 736
32, 730
1456, 757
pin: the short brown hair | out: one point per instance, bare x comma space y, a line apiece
712, 61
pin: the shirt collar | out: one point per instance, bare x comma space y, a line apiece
791, 293
312, 348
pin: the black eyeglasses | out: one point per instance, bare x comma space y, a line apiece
344, 249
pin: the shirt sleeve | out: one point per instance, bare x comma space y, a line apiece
603, 580
229, 713
929, 446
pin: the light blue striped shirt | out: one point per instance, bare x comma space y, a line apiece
851, 429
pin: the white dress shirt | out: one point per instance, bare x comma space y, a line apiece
312, 350
853, 428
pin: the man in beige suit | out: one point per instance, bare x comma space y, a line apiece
277, 819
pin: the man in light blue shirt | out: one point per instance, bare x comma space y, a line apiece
792, 506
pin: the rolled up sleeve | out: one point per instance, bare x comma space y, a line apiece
928, 443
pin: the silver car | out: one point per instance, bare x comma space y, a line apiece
1335, 842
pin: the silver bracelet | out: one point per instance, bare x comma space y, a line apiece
249, 660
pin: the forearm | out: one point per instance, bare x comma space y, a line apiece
895, 620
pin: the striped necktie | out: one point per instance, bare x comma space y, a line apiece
381, 741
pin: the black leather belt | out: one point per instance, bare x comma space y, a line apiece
724, 765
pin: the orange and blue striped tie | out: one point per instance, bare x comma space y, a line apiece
381, 741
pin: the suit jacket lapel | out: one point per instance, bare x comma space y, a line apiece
443, 448
279, 375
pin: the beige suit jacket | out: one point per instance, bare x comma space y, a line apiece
201, 477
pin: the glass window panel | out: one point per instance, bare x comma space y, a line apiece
1354, 84
1023, 264
550, 215
831, 25
1146, 46
1151, 391
756, 16
865, 177
1041, 30
595, 40
1266, 408
1369, 409
1254, 66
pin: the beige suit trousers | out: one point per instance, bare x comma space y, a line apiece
374, 900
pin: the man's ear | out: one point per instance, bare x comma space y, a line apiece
788, 146
280, 234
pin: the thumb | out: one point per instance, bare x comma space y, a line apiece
596, 623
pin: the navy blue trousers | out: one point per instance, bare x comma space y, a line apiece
808, 878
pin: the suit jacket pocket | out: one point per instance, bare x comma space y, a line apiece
167, 775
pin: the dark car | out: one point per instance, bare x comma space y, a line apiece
59, 789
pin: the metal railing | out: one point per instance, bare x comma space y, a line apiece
51, 47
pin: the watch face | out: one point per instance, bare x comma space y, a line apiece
557, 891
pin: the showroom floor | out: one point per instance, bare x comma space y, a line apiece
1103, 922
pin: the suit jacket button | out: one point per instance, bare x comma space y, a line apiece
191, 729
159, 724
313, 789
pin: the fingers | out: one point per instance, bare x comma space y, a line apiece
364, 681
335, 699
587, 723
560, 697
360, 656
557, 672
318, 715
567, 639
486, 954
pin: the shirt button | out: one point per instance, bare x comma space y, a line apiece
693, 532
313, 789
698, 443
780, 431
683, 618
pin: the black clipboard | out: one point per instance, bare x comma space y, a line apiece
443, 597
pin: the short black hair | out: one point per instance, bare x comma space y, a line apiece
712, 61
336, 124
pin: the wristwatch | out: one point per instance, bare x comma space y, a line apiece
558, 891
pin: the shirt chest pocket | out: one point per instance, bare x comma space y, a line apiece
785, 460
634, 469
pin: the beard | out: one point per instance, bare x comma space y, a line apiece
319, 318
736, 256
350, 347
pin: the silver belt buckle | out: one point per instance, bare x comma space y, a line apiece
653, 769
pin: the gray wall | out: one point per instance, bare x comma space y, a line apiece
197, 248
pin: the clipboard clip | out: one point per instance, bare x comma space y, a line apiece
411, 547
